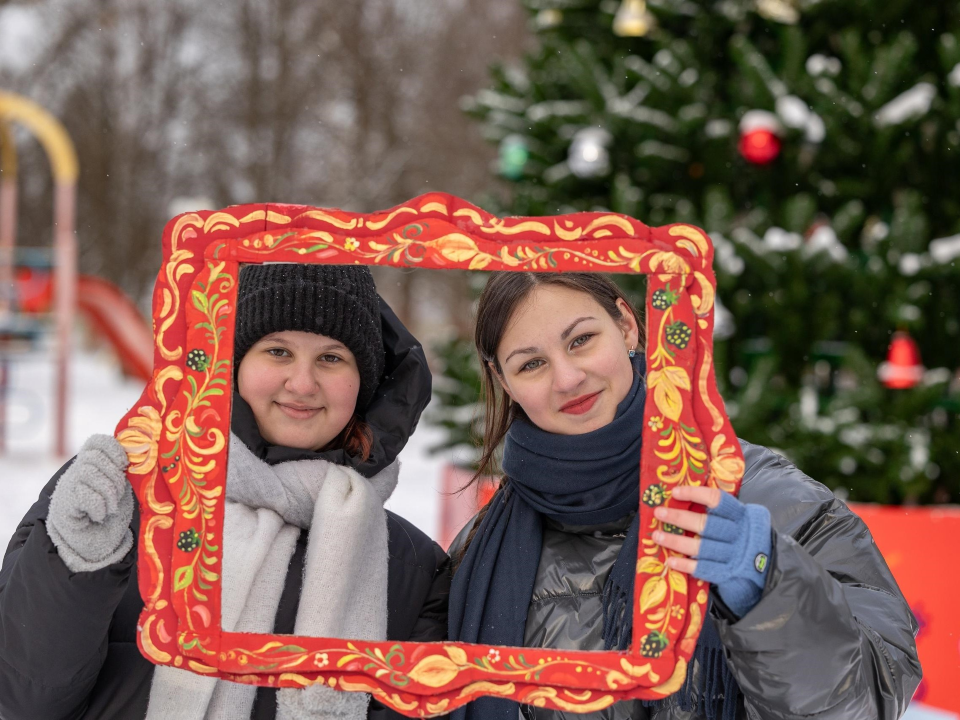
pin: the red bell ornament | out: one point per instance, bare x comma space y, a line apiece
760, 137
903, 368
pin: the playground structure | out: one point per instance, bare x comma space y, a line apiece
28, 292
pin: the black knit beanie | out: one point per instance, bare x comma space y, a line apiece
339, 301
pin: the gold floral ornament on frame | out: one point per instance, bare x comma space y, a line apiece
176, 439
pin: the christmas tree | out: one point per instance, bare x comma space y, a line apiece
818, 142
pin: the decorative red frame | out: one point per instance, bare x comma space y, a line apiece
176, 438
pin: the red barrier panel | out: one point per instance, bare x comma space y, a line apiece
458, 505
921, 547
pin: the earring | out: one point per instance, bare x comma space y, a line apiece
632, 353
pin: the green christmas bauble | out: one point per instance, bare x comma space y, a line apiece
513, 156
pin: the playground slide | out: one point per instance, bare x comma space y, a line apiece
113, 315
117, 318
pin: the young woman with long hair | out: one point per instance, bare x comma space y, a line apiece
805, 618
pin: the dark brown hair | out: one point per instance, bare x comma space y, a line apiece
498, 302
356, 439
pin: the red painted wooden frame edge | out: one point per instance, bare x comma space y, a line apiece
176, 439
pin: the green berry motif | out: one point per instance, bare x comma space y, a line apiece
678, 334
664, 298
189, 540
653, 645
198, 360
654, 495
667, 527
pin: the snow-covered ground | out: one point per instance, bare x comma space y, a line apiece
100, 397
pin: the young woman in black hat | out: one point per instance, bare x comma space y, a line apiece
329, 386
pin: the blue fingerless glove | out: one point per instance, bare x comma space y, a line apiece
735, 552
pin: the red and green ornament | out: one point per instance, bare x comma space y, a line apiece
653, 644
198, 360
679, 334
654, 496
663, 298
189, 540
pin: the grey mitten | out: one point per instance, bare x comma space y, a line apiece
91, 507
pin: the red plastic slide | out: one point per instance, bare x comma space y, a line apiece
111, 312
117, 318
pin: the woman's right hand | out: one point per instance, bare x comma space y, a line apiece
91, 507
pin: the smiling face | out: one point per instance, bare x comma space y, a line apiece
302, 388
565, 360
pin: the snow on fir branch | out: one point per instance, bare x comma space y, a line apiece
908, 105
539, 112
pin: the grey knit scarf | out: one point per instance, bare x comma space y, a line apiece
344, 591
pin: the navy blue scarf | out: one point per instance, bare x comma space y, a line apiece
573, 479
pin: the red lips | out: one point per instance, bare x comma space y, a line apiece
580, 405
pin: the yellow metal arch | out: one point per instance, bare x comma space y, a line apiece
48, 131
56, 142
8, 153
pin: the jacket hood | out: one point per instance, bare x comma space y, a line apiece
393, 414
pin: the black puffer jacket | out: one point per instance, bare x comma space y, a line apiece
831, 638
68, 645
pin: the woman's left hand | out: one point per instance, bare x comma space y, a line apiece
690, 520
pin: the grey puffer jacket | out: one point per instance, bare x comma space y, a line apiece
832, 636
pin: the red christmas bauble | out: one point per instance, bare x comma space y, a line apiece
759, 146
903, 368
